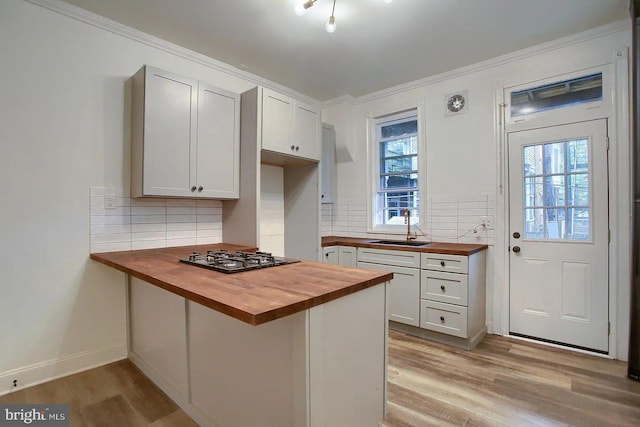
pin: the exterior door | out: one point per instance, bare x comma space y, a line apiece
559, 231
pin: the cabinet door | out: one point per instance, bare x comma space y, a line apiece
277, 122
347, 256
170, 122
403, 292
218, 150
330, 254
404, 295
306, 131
327, 163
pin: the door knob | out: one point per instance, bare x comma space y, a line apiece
516, 249
516, 235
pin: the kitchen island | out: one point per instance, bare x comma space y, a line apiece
301, 344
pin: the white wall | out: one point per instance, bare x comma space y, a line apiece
272, 209
63, 129
462, 154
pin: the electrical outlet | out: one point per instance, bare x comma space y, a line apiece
109, 201
486, 222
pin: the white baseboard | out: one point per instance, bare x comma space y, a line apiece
52, 369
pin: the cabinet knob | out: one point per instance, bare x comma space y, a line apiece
516, 249
442, 319
200, 188
322, 197
442, 264
193, 188
327, 254
442, 288
297, 148
293, 147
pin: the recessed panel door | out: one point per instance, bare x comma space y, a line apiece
559, 234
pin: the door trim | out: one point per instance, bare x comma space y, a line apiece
619, 173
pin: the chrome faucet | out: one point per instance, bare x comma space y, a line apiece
408, 222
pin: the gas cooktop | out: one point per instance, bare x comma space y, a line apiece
234, 262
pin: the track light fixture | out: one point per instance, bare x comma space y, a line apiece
330, 26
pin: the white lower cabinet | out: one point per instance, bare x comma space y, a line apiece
305, 369
340, 255
453, 300
434, 296
403, 291
157, 335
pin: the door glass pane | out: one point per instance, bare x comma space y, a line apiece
578, 224
533, 192
578, 155
534, 223
578, 189
553, 158
554, 190
555, 224
532, 158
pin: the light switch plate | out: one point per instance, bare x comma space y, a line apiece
109, 201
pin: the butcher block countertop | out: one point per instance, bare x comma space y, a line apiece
254, 297
464, 249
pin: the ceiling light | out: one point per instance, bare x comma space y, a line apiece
301, 8
330, 26
331, 23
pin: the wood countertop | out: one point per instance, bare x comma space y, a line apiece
464, 249
254, 297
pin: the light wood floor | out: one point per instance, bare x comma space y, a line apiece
502, 382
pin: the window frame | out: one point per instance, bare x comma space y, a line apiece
374, 171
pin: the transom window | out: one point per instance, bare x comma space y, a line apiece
396, 169
556, 191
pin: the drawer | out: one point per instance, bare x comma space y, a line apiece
445, 318
443, 262
389, 257
450, 288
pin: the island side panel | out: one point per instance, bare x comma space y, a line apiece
158, 342
244, 375
348, 360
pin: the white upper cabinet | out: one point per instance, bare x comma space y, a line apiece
185, 137
289, 126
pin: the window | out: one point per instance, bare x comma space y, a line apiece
557, 95
396, 169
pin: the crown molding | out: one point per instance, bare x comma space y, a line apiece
594, 33
339, 100
98, 21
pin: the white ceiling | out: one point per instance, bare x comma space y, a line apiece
376, 45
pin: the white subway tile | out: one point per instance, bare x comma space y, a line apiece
186, 203
110, 247
110, 228
148, 202
444, 199
181, 226
148, 235
473, 198
181, 218
148, 210
96, 191
208, 233
143, 228
110, 220
148, 244
110, 238
148, 219
181, 234
181, 210
208, 226
208, 211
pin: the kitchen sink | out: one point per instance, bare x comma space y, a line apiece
401, 243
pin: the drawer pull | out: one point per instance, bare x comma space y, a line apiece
442, 319
442, 263
443, 288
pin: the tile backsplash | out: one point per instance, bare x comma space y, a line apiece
119, 222
450, 219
